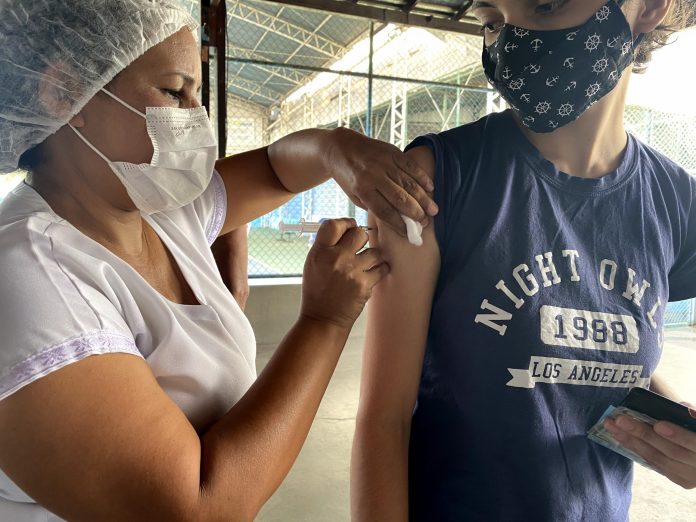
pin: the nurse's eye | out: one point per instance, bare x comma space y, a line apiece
550, 7
177, 95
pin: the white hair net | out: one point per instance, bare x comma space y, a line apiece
77, 46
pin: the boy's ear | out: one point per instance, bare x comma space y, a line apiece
650, 14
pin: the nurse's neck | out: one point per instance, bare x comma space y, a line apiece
122, 231
593, 145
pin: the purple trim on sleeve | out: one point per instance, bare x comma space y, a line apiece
58, 355
219, 210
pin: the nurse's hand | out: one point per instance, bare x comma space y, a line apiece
338, 280
667, 448
378, 177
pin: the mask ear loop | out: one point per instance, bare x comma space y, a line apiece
126, 105
97, 151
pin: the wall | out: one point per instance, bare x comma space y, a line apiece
273, 308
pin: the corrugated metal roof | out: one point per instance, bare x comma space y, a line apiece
271, 32
262, 31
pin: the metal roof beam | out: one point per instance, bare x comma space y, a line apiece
307, 41
286, 29
409, 5
395, 16
294, 53
462, 10
253, 89
290, 75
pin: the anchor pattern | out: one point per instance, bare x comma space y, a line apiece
581, 65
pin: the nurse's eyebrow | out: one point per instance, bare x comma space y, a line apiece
187, 78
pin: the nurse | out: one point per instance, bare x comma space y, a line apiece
128, 386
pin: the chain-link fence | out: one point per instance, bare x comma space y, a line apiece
672, 134
291, 69
680, 313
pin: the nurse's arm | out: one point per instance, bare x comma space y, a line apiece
375, 175
398, 319
231, 253
100, 440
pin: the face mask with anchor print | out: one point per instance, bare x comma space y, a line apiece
550, 78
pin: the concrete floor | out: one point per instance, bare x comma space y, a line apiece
317, 488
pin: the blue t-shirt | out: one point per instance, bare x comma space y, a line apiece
549, 307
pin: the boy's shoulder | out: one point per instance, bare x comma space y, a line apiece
653, 157
475, 131
467, 138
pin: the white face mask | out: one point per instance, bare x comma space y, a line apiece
185, 151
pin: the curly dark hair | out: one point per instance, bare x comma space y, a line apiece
680, 16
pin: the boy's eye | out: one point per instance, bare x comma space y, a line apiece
550, 7
491, 27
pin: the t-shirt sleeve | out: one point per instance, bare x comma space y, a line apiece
211, 208
454, 152
682, 275
50, 315
441, 194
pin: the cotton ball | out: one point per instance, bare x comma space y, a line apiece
414, 230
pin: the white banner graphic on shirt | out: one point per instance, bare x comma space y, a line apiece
552, 370
589, 330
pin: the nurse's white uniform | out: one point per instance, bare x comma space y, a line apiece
64, 297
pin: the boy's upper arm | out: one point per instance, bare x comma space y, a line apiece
100, 440
398, 317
